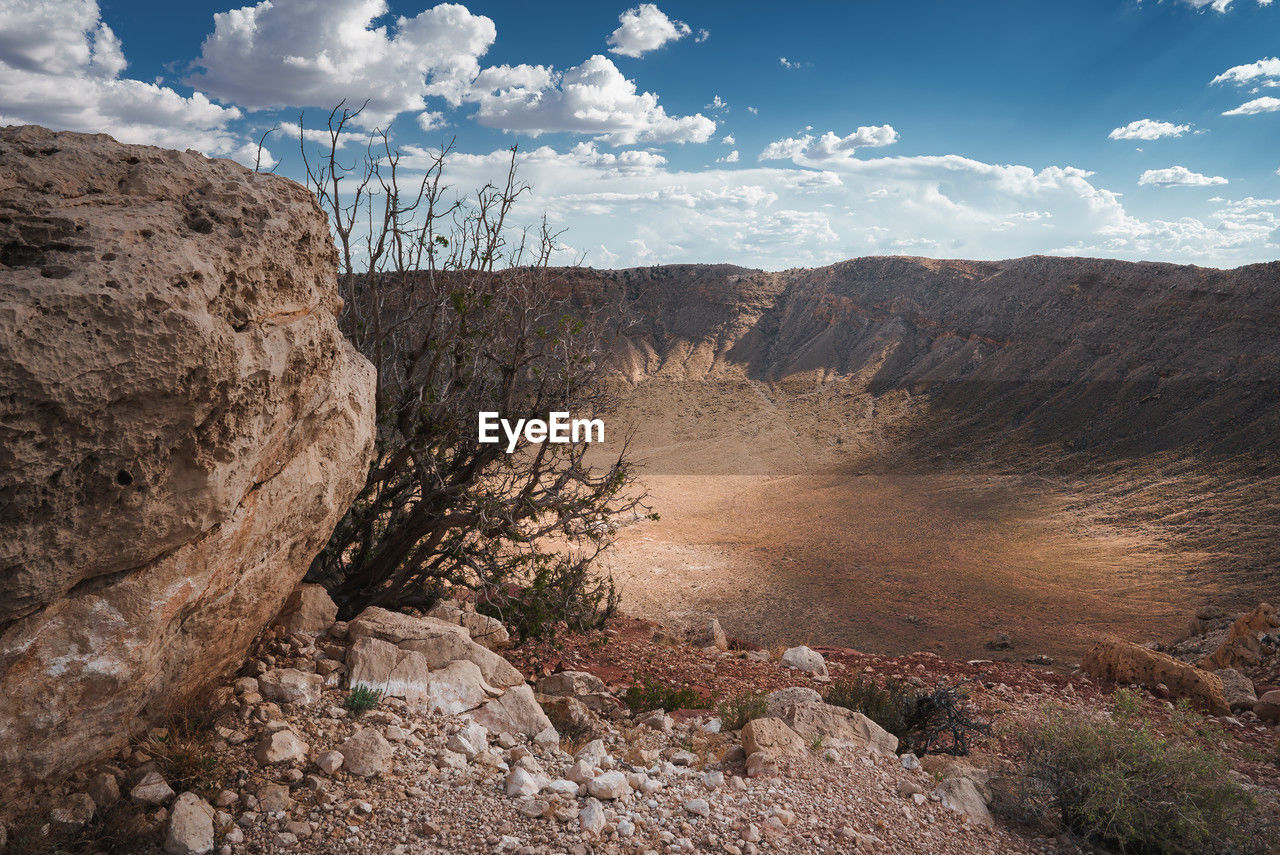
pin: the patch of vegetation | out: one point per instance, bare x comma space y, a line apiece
1120, 782
362, 698
651, 694
937, 721
737, 711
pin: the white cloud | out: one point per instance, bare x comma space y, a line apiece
718, 105
317, 136
728, 139
431, 121
731, 157
1179, 176
60, 66
790, 64
1266, 71
702, 36
1148, 129
781, 216
592, 98
315, 53
755, 111
646, 28
1266, 104
829, 145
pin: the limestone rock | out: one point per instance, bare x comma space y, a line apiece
517, 711
1124, 662
329, 762
274, 798
190, 829
440, 642
73, 814
456, 687
486, 630
1267, 707
608, 785
153, 789
291, 686
570, 684
308, 609
803, 659
1237, 689
183, 425
366, 753
773, 736
839, 726
777, 701
961, 795
281, 746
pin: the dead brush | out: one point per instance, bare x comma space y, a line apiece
183, 748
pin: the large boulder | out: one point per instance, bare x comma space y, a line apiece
839, 726
1124, 662
182, 426
438, 641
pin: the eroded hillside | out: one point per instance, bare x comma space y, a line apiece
942, 450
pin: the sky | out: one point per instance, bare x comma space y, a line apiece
769, 135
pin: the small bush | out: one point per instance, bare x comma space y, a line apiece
650, 694
886, 705
362, 698
926, 722
1121, 783
736, 712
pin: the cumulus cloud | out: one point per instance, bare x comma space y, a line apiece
1179, 176
731, 157
1266, 104
592, 98
829, 145
315, 53
791, 64
646, 28
60, 66
781, 216
1264, 71
728, 139
1148, 129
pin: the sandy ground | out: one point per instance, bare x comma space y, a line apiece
798, 518
894, 563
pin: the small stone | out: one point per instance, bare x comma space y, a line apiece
804, 659
274, 798
533, 808
104, 789
73, 814
366, 754
153, 789
281, 746
591, 817
609, 785
190, 830
329, 762
521, 783
698, 807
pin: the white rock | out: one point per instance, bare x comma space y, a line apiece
281, 746
366, 753
153, 789
329, 762
190, 830
289, 685
563, 787
591, 817
521, 783
609, 785
698, 807
803, 659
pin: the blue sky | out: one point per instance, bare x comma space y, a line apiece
762, 134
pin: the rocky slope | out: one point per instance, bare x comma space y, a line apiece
1088, 353
181, 426
444, 761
